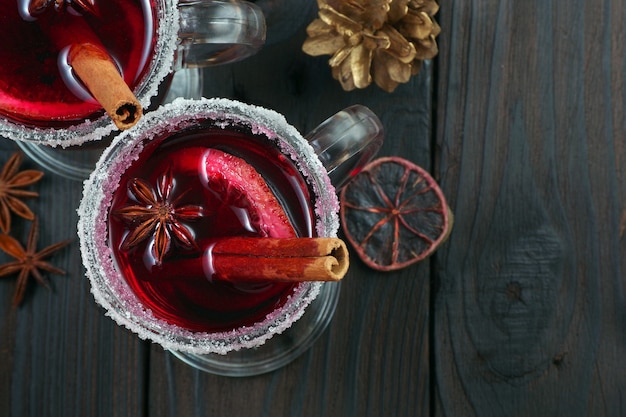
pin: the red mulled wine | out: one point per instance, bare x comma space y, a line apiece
37, 86
181, 173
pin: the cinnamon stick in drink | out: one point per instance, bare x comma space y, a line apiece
279, 259
101, 77
92, 64
262, 259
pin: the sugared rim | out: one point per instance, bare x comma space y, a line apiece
90, 130
107, 285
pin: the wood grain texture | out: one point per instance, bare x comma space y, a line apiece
60, 355
521, 313
529, 313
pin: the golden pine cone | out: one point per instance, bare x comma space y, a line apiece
384, 41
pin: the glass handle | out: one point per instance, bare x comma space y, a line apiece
215, 32
346, 142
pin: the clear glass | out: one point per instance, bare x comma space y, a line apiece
256, 348
241, 29
339, 144
277, 351
218, 32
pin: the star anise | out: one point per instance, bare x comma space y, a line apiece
83, 6
28, 262
10, 193
158, 216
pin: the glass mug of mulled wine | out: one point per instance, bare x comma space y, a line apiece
72, 64
200, 226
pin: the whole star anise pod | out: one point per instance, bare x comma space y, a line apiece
11, 182
28, 262
158, 216
384, 41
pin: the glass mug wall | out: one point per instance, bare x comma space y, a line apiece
43, 102
191, 155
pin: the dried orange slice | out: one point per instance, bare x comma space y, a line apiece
394, 214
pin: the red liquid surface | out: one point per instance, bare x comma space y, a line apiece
200, 303
37, 87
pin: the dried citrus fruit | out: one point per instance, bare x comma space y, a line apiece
394, 214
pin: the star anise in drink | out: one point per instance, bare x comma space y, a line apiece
11, 182
82, 6
27, 261
158, 216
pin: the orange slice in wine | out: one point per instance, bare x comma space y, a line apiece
394, 214
242, 185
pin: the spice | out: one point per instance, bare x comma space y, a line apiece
260, 259
28, 262
38, 6
279, 259
91, 62
95, 68
157, 215
243, 204
83, 6
11, 182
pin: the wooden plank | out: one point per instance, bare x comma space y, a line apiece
529, 314
59, 354
373, 360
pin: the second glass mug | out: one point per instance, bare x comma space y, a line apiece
171, 41
186, 130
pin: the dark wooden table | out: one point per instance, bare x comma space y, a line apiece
522, 120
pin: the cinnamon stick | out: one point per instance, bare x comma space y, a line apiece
241, 259
101, 77
92, 64
278, 259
